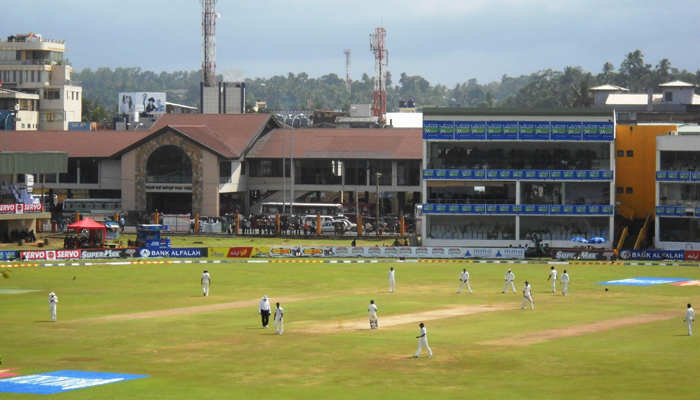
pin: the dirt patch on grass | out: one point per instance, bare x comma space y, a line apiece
402, 319
579, 330
184, 310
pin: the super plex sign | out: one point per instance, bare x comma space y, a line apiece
21, 208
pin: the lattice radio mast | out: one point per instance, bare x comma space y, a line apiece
377, 44
348, 81
209, 16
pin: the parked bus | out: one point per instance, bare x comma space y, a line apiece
332, 209
95, 209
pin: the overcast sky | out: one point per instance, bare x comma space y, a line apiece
445, 41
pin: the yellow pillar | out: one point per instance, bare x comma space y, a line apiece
77, 216
277, 223
318, 224
359, 226
238, 223
156, 218
196, 223
115, 217
402, 226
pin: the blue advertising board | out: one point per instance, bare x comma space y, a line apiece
603, 131
559, 130
446, 130
8, 255
670, 211
428, 173
470, 130
172, 253
697, 211
695, 176
466, 174
629, 254
453, 208
431, 129
453, 174
574, 131
61, 381
502, 130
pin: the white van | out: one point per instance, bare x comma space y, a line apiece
326, 223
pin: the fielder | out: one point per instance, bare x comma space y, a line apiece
689, 318
373, 321
53, 300
264, 311
392, 280
205, 281
279, 323
527, 296
510, 279
565, 283
423, 341
553, 277
464, 278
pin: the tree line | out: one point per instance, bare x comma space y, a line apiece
570, 87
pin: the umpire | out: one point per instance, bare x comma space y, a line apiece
264, 310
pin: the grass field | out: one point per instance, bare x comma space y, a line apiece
590, 344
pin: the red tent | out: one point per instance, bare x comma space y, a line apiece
90, 225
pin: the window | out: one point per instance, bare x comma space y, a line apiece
668, 96
630, 153
225, 172
169, 164
620, 190
242, 167
630, 190
50, 117
52, 94
620, 153
89, 170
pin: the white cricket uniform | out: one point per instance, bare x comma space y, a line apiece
565, 283
423, 341
279, 323
205, 283
553, 278
527, 296
510, 278
689, 318
464, 277
53, 300
392, 281
373, 320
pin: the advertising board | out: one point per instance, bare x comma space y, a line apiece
145, 102
51, 255
172, 253
629, 254
396, 252
583, 254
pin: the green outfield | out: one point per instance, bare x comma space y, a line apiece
627, 343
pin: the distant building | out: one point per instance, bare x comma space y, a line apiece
677, 102
19, 111
32, 64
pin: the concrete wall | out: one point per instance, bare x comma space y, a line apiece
110, 174
128, 181
210, 185
638, 171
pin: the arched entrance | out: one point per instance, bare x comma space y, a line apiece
169, 181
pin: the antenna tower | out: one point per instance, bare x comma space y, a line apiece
209, 42
381, 59
348, 81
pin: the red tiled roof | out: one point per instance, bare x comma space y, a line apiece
398, 144
226, 134
94, 144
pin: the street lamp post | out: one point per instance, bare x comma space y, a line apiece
291, 175
284, 169
379, 175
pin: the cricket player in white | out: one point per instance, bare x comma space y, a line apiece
205, 281
464, 278
53, 300
553, 277
373, 321
510, 278
565, 283
392, 281
423, 341
689, 318
279, 323
527, 296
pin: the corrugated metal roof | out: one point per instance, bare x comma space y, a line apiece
544, 112
406, 144
677, 84
610, 87
631, 99
86, 144
49, 162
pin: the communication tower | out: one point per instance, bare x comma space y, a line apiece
348, 81
209, 42
377, 44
